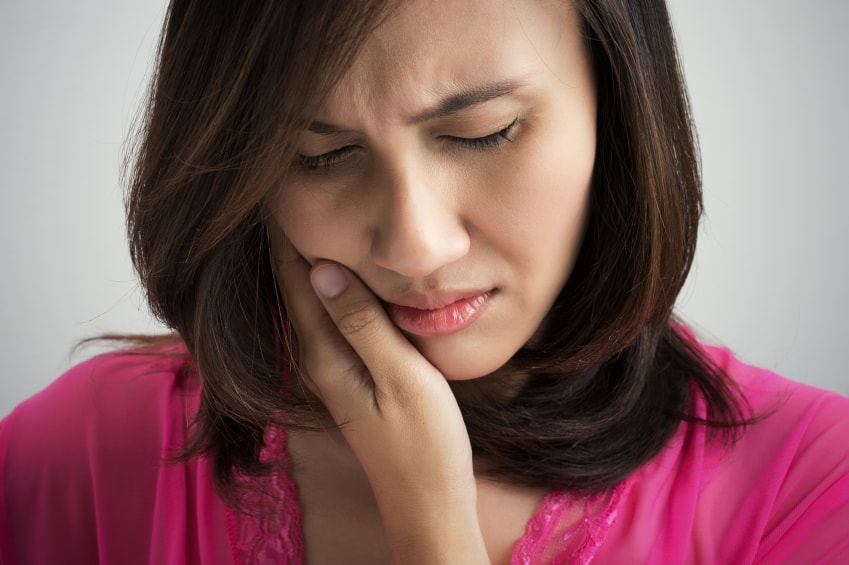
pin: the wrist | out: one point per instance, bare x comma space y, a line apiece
444, 541
433, 529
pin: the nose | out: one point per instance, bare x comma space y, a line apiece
419, 227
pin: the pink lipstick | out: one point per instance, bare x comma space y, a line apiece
452, 316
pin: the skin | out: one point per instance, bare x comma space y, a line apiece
401, 208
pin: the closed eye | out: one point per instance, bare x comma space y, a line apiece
325, 160
491, 141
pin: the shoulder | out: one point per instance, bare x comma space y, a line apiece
790, 417
85, 455
111, 401
780, 494
790, 470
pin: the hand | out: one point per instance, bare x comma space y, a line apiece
395, 409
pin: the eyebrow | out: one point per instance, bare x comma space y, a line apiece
446, 107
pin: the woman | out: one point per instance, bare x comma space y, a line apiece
420, 260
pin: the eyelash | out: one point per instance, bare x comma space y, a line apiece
491, 141
488, 142
323, 161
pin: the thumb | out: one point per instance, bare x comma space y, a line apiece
393, 362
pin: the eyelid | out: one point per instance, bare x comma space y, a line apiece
489, 141
333, 157
324, 160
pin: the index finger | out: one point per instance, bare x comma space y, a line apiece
397, 367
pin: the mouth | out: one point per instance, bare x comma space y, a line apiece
439, 314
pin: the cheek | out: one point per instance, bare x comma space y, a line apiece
543, 203
314, 227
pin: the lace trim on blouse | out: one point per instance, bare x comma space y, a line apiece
552, 538
274, 534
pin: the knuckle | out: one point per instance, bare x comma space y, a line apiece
403, 394
358, 378
359, 320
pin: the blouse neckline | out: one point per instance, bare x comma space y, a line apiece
273, 530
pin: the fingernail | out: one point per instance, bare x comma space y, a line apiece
328, 280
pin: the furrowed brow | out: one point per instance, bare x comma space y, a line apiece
467, 98
323, 128
446, 107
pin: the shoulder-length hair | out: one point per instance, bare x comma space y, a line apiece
611, 378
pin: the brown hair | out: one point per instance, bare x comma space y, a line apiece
612, 376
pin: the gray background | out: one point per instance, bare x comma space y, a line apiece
769, 88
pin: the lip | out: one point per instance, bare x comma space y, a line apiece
440, 313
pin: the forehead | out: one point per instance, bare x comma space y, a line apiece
427, 49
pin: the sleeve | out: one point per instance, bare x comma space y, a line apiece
46, 494
87, 473
7, 552
809, 521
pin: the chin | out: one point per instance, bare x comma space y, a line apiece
470, 354
462, 375
464, 365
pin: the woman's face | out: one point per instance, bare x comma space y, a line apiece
450, 170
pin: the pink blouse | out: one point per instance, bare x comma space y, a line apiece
82, 480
